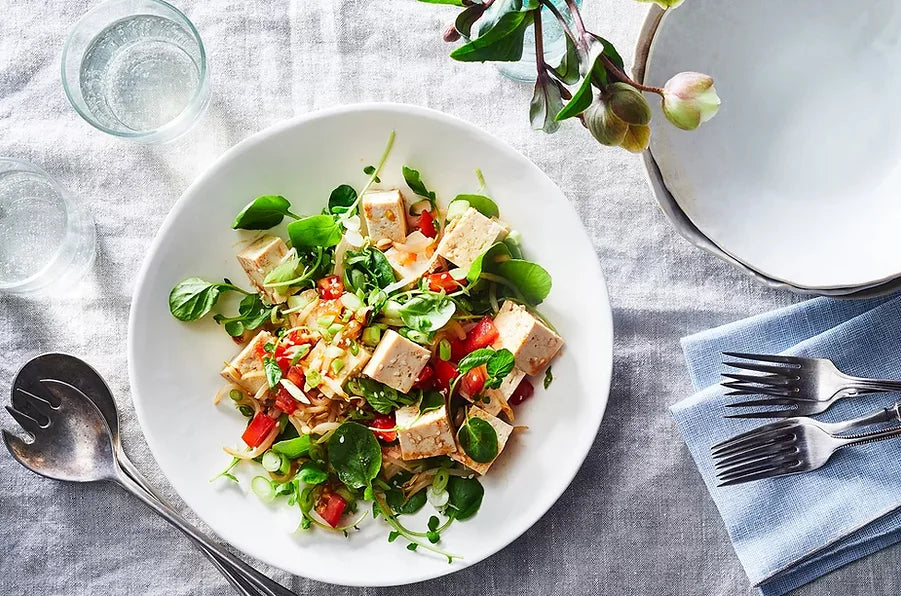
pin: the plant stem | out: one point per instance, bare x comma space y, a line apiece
577, 21
539, 44
617, 73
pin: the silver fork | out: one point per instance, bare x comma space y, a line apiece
806, 386
794, 445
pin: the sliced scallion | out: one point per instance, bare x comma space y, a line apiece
444, 349
263, 489
272, 461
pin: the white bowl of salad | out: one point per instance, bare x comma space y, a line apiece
370, 336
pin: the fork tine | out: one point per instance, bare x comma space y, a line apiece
794, 360
770, 463
767, 450
789, 413
763, 368
780, 471
776, 401
33, 400
743, 441
28, 423
759, 389
741, 392
760, 379
773, 426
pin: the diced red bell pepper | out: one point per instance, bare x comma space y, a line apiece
426, 377
444, 374
444, 282
258, 429
284, 401
331, 508
458, 349
330, 287
296, 375
427, 224
387, 422
480, 336
473, 381
522, 392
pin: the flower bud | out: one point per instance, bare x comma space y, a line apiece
603, 125
637, 138
689, 100
451, 34
628, 104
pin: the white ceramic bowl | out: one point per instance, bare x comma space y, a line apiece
173, 366
785, 180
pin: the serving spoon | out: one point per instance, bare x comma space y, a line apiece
73, 441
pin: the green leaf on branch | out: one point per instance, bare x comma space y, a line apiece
467, 18
502, 43
263, 213
341, 199
532, 280
568, 69
546, 104
318, 230
579, 103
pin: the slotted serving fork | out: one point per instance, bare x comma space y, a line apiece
805, 386
794, 445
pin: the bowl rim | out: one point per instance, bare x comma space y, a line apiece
604, 369
689, 231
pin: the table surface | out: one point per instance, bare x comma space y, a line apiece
636, 520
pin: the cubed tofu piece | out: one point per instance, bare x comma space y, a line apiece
411, 259
384, 213
494, 401
533, 345
397, 361
503, 431
246, 370
258, 259
469, 236
424, 436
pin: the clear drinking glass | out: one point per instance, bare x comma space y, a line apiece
46, 236
136, 69
554, 40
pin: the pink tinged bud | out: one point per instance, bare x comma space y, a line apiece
690, 99
451, 34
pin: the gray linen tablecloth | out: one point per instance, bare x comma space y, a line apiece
637, 519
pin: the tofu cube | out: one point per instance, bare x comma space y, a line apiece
397, 361
258, 259
533, 345
469, 236
424, 436
413, 257
494, 401
384, 212
246, 370
503, 431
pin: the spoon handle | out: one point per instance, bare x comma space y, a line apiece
235, 566
237, 582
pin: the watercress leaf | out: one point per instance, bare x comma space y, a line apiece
501, 43
395, 499
380, 397
367, 269
311, 474
294, 448
392, 536
433, 523
465, 496
317, 230
341, 199
475, 359
433, 536
548, 377
414, 180
501, 364
193, 298
273, 372
532, 280
487, 261
412, 546
354, 453
427, 312
431, 400
480, 203
256, 313
478, 439
545, 105
263, 213
568, 69
234, 328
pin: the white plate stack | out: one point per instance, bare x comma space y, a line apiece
797, 180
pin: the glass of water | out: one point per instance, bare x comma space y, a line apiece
554, 41
47, 237
136, 69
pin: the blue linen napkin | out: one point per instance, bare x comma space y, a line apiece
789, 531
